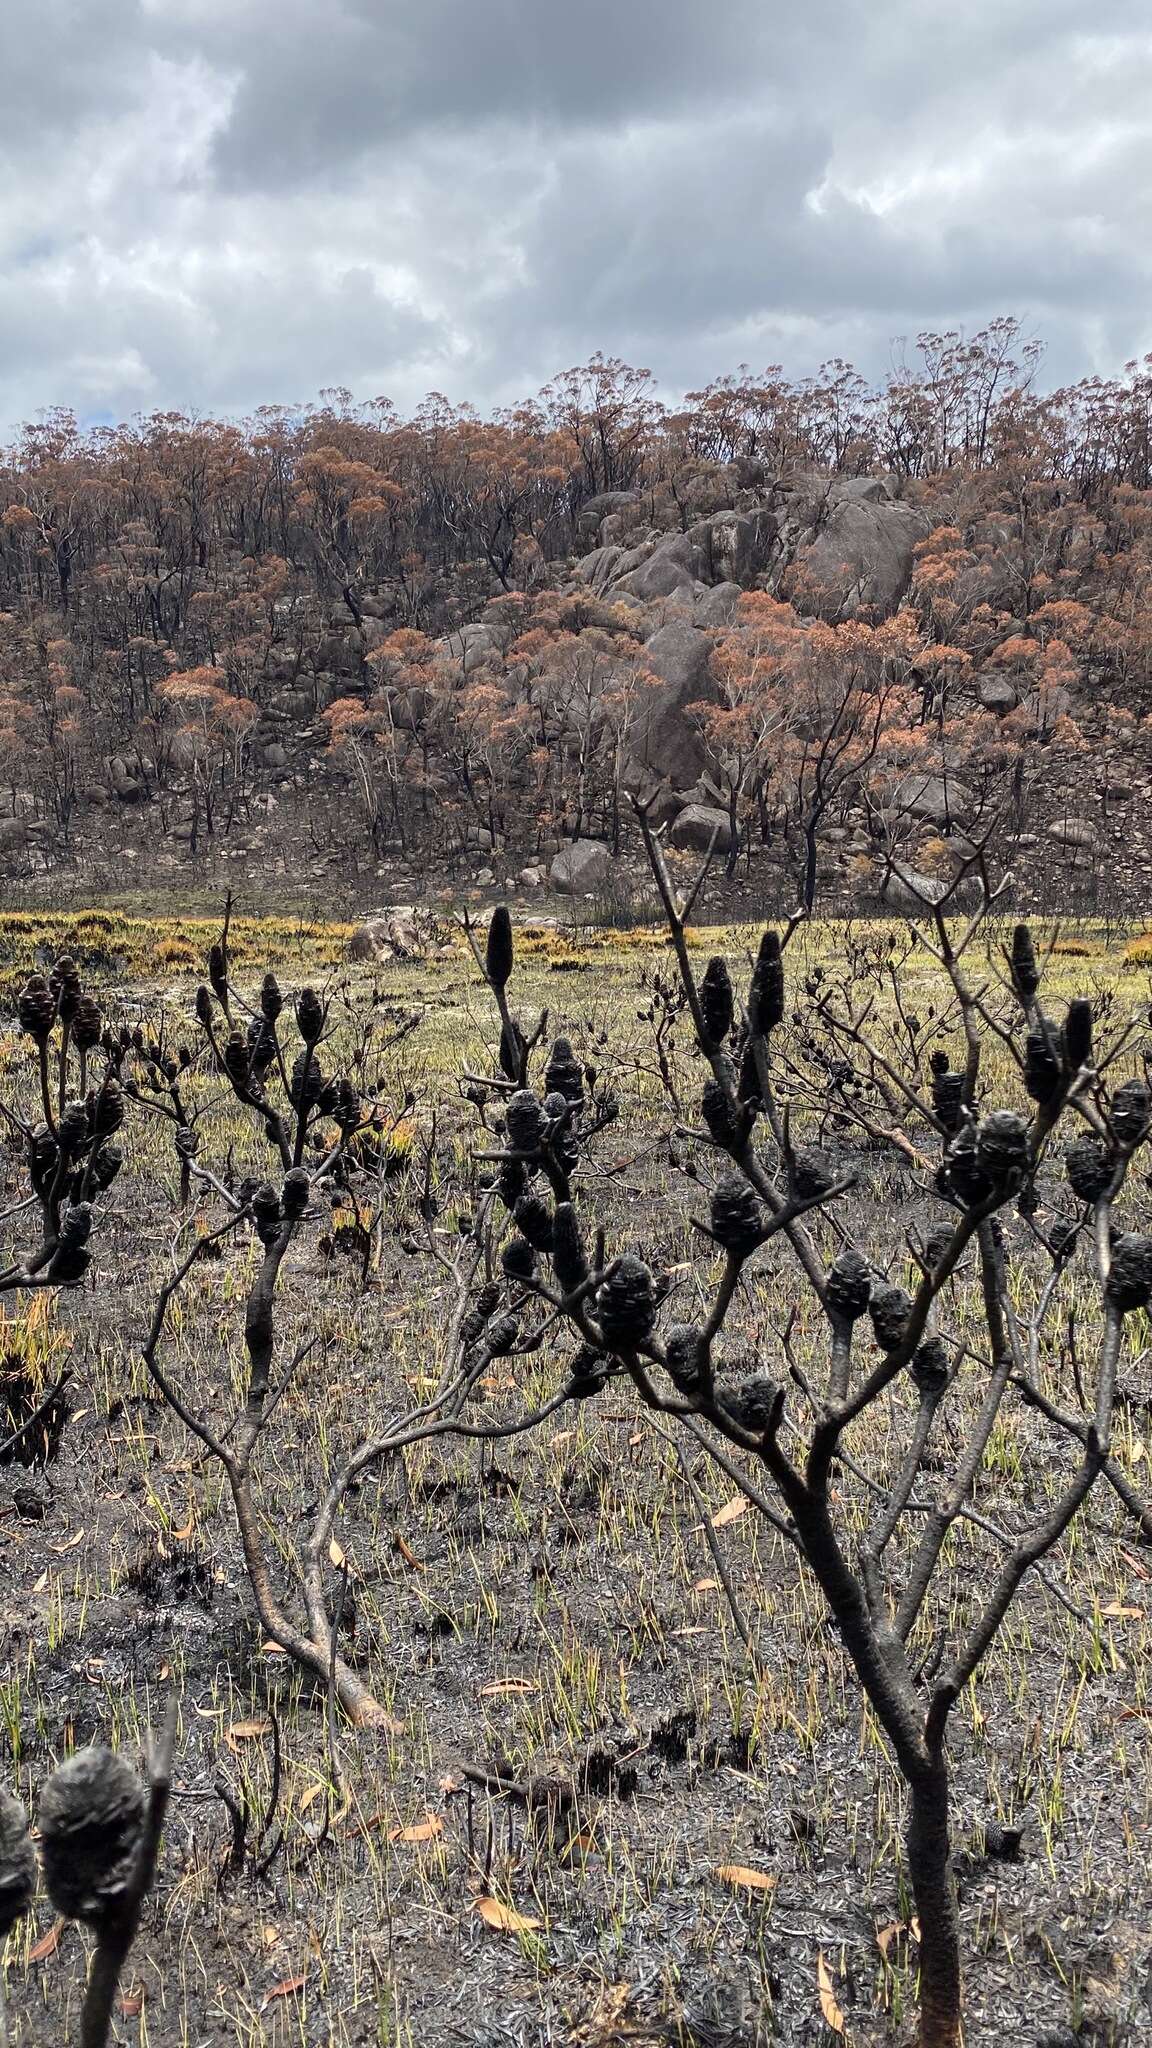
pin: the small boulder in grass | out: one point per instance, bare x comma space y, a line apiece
91, 1822
17, 1863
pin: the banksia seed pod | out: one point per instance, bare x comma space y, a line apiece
347, 1105
106, 1108
533, 1219
17, 1863
261, 1044
91, 1818
1043, 1066
1062, 1239
963, 1174
564, 1075
557, 1107
43, 1158
569, 1259
484, 1305
1002, 1146
590, 1374
64, 981
266, 1213
682, 1356
306, 1082
1131, 1112
1130, 1274
1025, 973
717, 1005
848, 1284
737, 1219
328, 1098
947, 1094
752, 1402
498, 958
295, 1193
890, 1308
626, 1304
72, 1128
271, 1000
524, 1121
106, 1163
1078, 1035
766, 993
518, 1259
1089, 1167
723, 1127
36, 1008
930, 1362
187, 1142
812, 1173
87, 1024
502, 1336
218, 972
204, 1006
511, 1182
309, 1016
237, 1061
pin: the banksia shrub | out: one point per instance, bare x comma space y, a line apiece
525, 1121
626, 1304
91, 1819
848, 1283
569, 1259
309, 1016
736, 1219
17, 1863
1078, 1035
36, 1009
498, 957
1089, 1167
1129, 1284
890, 1308
717, 1006
564, 1075
766, 993
1043, 1066
1025, 973
1131, 1112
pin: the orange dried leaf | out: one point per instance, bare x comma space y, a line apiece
731, 1511
833, 2017
745, 1878
47, 1944
420, 1831
505, 1919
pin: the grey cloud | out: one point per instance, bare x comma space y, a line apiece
218, 203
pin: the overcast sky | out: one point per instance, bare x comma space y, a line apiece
215, 204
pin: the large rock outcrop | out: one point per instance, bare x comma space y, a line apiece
665, 740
